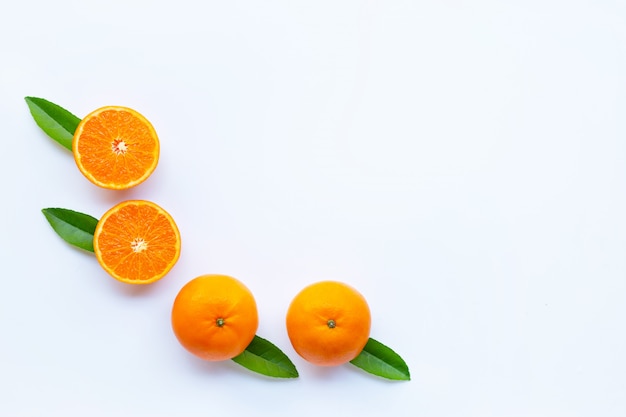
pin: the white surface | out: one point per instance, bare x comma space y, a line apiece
462, 163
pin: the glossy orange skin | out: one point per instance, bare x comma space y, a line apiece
147, 228
328, 323
99, 155
206, 302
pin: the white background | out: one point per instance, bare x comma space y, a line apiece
461, 163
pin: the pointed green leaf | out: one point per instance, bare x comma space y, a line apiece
263, 357
380, 360
75, 228
53, 119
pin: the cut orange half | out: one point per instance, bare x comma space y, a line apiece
137, 242
115, 147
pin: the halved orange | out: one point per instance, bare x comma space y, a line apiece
115, 147
137, 242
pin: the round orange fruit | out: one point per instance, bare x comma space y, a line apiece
137, 242
115, 147
328, 323
215, 317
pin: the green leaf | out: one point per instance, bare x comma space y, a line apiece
263, 357
75, 228
53, 119
380, 360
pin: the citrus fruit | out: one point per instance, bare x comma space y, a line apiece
137, 242
215, 317
328, 323
115, 147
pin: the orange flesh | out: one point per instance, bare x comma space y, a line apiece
116, 147
137, 242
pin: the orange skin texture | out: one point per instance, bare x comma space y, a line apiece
115, 147
308, 323
198, 307
137, 242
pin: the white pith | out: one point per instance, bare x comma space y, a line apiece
119, 147
138, 245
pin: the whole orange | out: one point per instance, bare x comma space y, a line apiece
328, 323
215, 317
